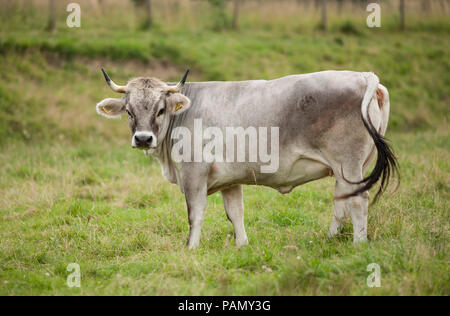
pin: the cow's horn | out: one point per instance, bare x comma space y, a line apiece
180, 84
112, 85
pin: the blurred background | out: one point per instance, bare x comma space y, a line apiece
234, 40
69, 179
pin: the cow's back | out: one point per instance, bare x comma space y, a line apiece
303, 106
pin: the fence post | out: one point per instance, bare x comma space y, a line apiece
402, 14
324, 14
235, 23
51, 18
148, 4
340, 3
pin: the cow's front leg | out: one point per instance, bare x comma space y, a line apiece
196, 197
234, 207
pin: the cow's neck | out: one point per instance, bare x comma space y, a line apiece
169, 168
163, 154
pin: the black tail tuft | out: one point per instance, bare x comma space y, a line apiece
385, 167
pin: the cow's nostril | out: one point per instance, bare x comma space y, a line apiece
143, 140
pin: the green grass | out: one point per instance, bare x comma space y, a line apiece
73, 191
107, 208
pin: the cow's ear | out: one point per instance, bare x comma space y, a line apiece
178, 103
111, 108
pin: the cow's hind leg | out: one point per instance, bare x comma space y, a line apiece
234, 207
340, 212
356, 206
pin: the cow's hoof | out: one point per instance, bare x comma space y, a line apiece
192, 245
335, 228
334, 231
332, 234
242, 243
358, 242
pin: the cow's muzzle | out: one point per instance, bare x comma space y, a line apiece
143, 140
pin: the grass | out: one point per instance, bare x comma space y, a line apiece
72, 190
108, 209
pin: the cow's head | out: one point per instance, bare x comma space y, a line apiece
149, 103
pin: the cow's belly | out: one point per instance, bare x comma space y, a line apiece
288, 176
299, 172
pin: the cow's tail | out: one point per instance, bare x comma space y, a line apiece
386, 165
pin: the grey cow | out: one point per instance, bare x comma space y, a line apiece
330, 123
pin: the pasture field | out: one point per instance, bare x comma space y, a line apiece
73, 191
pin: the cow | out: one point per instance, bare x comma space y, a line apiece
330, 123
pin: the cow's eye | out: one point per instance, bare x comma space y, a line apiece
161, 112
129, 114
